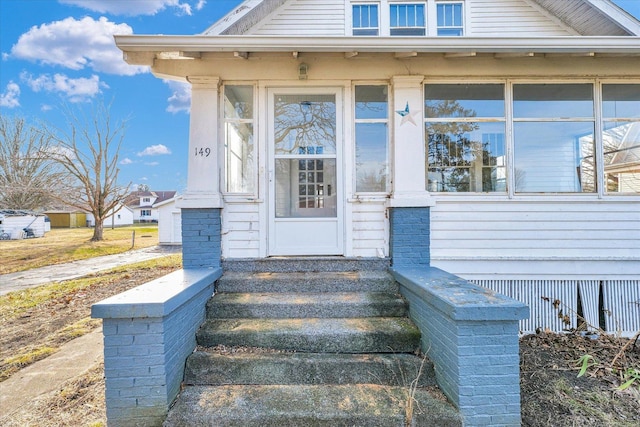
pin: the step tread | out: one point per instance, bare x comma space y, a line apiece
286, 405
290, 305
303, 282
269, 368
308, 298
302, 275
341, 335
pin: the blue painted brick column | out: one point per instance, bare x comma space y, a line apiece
201, 238
409, 239
471, 335
149, 332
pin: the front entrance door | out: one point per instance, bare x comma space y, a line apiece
305, 182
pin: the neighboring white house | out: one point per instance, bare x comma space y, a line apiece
169, 222
15, 224
123, 216
511, 121
142, 203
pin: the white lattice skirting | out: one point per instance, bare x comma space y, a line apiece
615, 301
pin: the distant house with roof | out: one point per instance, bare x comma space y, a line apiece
143, 204
169, 221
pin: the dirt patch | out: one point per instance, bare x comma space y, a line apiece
553, 394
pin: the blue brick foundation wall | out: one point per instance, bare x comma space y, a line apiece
148, 333
471, 335
409, 238
201, 238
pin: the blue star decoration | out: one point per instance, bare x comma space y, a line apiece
407, 116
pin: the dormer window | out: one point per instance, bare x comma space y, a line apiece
146, 200
405, 18
365, 20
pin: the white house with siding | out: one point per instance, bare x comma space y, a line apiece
494, 139
515, 122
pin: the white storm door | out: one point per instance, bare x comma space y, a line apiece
305, 172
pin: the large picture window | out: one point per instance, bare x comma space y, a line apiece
465, 137
238, 139
372, 138
554, 138
621, 137
545, 142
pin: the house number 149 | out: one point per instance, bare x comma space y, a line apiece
204, 152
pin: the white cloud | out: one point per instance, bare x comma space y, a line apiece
180, 99
152, 163
46, 107
132, 8
77, 44
76, 90
200, 4
155, 150
9, 98
126, 161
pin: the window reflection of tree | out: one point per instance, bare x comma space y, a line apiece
452, 154
303, 123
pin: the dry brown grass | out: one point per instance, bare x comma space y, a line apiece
65, 245
36, 322
78, 402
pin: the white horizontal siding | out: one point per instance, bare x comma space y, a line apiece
370, 229
510, 18
305, 18
534, 230
240, 230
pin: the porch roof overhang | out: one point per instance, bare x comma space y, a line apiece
144, 49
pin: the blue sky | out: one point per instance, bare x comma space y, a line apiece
57, 52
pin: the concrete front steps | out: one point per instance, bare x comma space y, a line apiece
308, 342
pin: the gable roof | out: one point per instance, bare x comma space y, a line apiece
244, 17
133, 199
586, 17
592, 17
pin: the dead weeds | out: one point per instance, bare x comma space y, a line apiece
78, 402
553, 393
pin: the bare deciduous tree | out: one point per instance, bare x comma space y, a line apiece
30, 178
89, 151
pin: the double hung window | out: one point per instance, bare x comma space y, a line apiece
407, 19
372, 138
450, 19
465, 137
238, 139
365, 20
